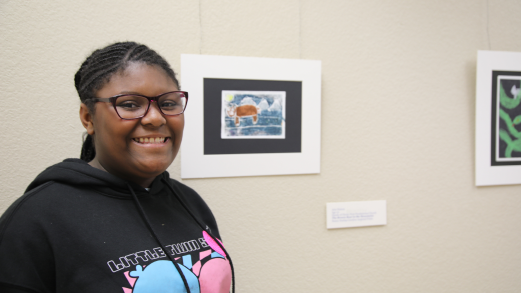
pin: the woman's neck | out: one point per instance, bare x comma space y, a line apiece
143, 183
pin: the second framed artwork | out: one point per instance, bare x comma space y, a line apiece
498, 118
250, 116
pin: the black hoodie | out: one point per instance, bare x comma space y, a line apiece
80, 229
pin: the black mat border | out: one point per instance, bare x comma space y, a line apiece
214, 145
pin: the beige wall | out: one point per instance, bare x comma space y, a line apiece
397, 124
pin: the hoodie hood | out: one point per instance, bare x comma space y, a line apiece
79, 173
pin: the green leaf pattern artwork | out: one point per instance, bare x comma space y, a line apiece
508, 132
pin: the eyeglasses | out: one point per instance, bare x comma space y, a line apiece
133, 106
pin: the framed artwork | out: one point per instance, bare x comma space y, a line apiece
250, 116
498, 118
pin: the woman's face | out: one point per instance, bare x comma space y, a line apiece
119, 149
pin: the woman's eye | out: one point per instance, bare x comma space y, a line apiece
128, 105
168, 104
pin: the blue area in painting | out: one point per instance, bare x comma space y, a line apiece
268, 120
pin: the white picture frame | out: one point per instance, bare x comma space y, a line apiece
495, 161
195, 69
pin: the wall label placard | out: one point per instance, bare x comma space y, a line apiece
356, 214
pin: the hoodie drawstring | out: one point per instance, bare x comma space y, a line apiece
145, 219
176, 193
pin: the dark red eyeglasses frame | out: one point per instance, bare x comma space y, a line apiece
113, 99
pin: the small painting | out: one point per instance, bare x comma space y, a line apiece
253, 114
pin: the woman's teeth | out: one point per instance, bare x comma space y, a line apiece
150, 140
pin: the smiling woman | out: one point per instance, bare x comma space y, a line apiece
114, 221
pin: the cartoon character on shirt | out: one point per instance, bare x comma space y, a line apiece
210, 274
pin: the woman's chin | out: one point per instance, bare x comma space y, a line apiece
152, 168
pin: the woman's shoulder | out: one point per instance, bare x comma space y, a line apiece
189, 195
186, 190
37, 203
36, 197
196, 203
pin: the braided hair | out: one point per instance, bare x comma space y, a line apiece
100, 66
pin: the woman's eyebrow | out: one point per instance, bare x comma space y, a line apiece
128, 92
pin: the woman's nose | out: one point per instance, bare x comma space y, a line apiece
153, 116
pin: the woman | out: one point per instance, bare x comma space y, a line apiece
113, 221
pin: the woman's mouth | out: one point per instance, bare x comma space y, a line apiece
151, 140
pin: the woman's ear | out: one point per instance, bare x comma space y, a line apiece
86, 119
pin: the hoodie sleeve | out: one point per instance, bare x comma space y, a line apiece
26, 258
